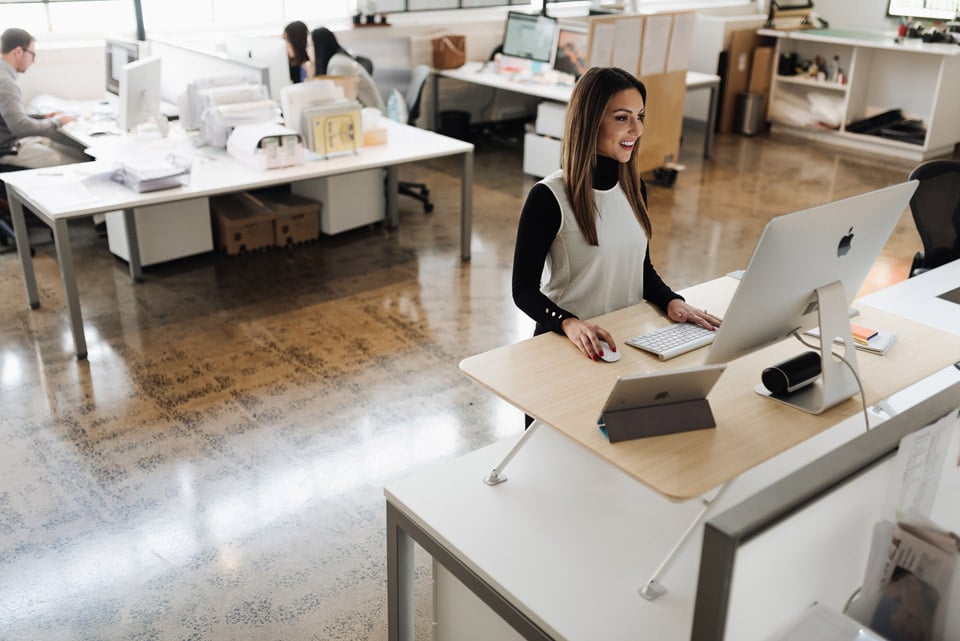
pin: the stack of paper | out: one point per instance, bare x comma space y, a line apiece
150, 174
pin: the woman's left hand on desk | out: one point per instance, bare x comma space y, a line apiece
681, 312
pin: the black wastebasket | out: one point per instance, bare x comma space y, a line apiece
749, 119
455, 124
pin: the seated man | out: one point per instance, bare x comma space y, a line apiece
25, 140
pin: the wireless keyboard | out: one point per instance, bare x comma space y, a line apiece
674, 340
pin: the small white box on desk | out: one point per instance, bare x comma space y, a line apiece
349, 200
541, 155
164, 232
550, 118
266, 145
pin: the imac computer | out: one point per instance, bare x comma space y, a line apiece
529, 36
571, 52
140, 94
118, 53
805, 272
925, 9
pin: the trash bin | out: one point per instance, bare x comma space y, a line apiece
455, 124
749, 119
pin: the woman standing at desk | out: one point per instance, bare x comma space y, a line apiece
588, 221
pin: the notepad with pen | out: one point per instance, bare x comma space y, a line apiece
865, 338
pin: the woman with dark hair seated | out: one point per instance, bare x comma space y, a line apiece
331, 59
297, 34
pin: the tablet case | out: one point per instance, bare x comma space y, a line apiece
657, 420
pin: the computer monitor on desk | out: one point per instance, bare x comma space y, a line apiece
571, 52
140, 94
805, 271
117, 54
529, 37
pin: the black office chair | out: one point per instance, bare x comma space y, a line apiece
417, 191
936, 211
365, 62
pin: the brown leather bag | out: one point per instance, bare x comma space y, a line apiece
449, 52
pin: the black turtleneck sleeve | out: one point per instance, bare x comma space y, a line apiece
538, 226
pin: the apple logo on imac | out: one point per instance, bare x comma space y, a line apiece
845, 243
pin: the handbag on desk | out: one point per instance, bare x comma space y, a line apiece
449, 52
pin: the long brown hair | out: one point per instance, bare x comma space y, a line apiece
578, 152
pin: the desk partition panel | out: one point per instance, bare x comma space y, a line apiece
806, 538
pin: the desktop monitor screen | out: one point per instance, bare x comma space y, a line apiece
529, 36
927, 9
139, 93
801, 253
118, 53
571, 53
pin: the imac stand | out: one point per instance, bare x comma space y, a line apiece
836, 383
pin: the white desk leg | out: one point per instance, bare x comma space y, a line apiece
495, 477
61, 237
466, 206
133, 246
653, 588
393, 190
23, 248
400, 571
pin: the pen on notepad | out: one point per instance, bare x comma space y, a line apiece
50, 174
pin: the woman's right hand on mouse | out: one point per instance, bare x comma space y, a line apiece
587, 336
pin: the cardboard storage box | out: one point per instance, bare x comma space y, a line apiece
241, 223
297, 219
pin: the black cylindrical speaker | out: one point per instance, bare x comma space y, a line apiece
791, 375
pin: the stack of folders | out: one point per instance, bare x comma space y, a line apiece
865, 338
151, 173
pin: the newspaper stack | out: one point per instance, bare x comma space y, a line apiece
905, 593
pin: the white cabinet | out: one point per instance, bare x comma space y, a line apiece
922, 80
164, 232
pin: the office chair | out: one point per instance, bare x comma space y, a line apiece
936, 211
365, 62
417, 191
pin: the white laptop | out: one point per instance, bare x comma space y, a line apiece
657, 403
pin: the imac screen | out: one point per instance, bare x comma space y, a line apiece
799, 253
529, 36
139, 93
571, 54
928, 9
118, 53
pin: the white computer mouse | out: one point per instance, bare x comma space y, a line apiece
609, 355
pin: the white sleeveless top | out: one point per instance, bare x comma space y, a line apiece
592, 280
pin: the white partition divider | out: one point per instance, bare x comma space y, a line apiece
183, 65
805, 539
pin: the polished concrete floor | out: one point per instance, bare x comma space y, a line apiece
215, 469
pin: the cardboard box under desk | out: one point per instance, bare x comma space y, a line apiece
241, 224
296, 218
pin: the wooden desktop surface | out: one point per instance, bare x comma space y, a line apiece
549, 379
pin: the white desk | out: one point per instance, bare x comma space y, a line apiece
561, 553
918, 298
476, 73
42, 190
